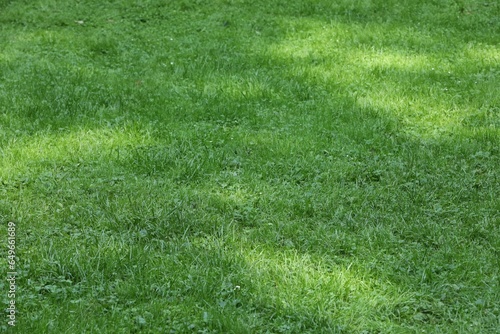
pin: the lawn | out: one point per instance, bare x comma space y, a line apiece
232, 166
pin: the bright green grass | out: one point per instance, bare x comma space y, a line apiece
251, 166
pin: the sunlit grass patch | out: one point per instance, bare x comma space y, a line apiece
65, 147
316, 292
418, 85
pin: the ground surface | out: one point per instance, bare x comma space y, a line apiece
251, 166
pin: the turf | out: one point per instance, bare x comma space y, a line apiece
236, 166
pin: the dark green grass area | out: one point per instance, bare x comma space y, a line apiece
251, 166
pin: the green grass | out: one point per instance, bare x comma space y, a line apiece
241, 166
